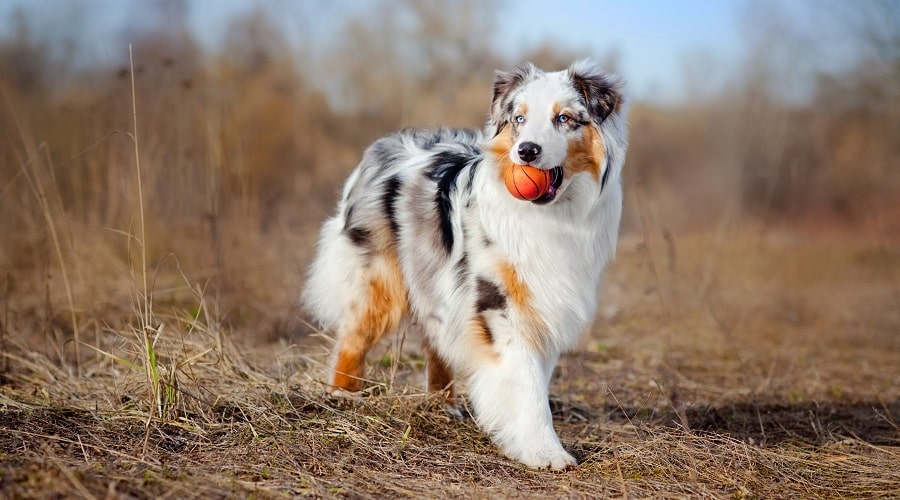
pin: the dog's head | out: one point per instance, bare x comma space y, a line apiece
569, 122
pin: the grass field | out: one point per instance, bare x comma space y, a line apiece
748, 363
747, 343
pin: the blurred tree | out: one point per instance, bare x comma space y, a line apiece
24, 61
429, 58
818, 101
274, 123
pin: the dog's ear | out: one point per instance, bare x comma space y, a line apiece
601, 93
505, 84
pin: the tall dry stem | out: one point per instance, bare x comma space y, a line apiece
148, 335
145, 310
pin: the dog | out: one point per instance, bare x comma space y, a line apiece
426, 233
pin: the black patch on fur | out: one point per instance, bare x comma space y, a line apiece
489, 296
600, 95
462, 270
444, 170
388, 202
580, 120
606, 171
504, 85
360, 236
348, 217
476, 152
357, 234
500, 128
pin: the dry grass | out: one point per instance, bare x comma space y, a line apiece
758, 365
150, 344
751, 361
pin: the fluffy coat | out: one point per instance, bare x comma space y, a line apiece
426, 232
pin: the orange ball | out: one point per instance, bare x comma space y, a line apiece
527, 183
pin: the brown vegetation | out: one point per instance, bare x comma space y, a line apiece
151, 264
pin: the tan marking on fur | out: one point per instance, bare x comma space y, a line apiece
481, 340
520, 296
557, 109
517, 290
585, 154
381, 313
498, 148
440, 376
348, 372
483, 331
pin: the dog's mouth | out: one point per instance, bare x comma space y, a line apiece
556, 178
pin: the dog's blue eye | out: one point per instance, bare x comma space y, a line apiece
520, 119
563, 118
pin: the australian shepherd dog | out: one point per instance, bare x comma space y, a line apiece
427, 233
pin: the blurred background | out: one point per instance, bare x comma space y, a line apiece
762, 116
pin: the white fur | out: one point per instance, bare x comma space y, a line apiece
390, 213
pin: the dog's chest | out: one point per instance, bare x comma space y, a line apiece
558, 262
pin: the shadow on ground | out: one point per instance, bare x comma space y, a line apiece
765, 423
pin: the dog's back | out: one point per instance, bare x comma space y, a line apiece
378, 209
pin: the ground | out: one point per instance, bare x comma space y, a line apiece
751, 363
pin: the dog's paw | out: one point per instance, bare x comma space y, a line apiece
338, 393
563, 461
555, 460
453, 410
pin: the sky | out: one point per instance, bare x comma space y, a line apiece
652, 39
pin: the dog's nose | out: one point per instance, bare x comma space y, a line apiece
528, 151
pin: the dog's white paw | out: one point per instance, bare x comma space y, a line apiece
562, 461
344, 394
557, 459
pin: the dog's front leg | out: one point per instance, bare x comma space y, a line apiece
510, 401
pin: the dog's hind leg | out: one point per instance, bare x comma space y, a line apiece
439, 377
377, 310
358, 293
